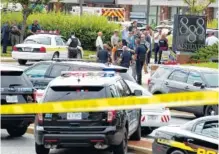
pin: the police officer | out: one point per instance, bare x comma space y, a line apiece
34, 27
73, 43
103, 55
140, 56
126, 57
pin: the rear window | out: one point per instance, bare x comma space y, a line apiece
62, 93
212, 79
14, 78
38, 40
161, 72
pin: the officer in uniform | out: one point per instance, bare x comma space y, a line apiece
126, 57
34, 27
103, 55
73, 43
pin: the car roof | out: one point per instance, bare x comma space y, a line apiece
199, 69
42, 35
9, 68
84, 81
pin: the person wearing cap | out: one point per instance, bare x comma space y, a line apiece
114, 44
99, 42
126, 57
211, 39
103, 55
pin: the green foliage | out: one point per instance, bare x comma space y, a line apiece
206, 53
85, 27
213, 24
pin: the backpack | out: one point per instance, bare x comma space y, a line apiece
74, 42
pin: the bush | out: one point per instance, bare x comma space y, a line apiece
213, 24
85, 27
206, 53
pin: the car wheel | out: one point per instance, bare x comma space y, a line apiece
17, 131
122, 148
177, 152
22, 62
210, 109
79, 56
55, 55
40, 149
137, 134
147, 130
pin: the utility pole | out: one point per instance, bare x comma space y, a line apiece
81, 7
148, 4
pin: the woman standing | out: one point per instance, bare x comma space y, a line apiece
163, 46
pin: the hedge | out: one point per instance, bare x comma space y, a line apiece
85, 27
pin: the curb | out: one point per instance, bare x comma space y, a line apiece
30, 130
181, 114
8, 60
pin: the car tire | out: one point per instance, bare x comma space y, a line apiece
137, 134
22, 62
147, 131
209, 109
17, 131
79, 56
55, 55
122, 148
177, 152
40, 149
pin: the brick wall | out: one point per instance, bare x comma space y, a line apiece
209, 12
164, 13
128, 9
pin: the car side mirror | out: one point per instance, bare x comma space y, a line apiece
199, 84
137, 93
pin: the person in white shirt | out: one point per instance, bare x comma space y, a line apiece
211, 39
99, 42
157, 37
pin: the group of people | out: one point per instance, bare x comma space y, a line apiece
133, 50
11, 33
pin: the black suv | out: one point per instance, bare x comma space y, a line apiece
105, 130
15, 89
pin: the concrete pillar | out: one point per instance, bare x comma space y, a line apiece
164, 13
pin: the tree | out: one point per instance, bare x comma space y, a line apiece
28, 8
198, 6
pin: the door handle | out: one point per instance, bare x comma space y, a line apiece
186, 87
166, 83
190, 140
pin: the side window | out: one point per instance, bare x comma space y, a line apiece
126, 88
120, 88
162, 71
179, 75
37, 71
194, 77
113, 91
57, 69
59, 41
64, 40
209, 128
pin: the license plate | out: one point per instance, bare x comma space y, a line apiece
74, 116
152, 117
27, 49
11, 99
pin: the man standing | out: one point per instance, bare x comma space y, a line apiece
103, 55
211, 39
114, 44
156, 44
73, 43
126, 57
34, 27
148, 39
15, 34
140, 56
99, 42
125, 34
5, 37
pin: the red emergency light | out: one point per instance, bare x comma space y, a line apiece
55, 32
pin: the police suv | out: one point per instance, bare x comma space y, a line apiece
102, 130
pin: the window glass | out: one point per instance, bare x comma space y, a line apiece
212, 79
126, 88
37, 71
59, 41
194, 77
57, 69
113, 91
179, 75
120, 88
38, 40
162, 72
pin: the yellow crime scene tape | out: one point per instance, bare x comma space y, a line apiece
94, 105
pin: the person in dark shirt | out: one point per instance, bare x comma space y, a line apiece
103, 55
5, 36
126, 57
140, 56
34, 27
163, 46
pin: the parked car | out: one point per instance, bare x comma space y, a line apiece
175, 78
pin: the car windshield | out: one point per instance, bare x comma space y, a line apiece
64, 93
212, 79
38, 40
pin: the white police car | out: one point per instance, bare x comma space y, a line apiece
42, 46
102, 130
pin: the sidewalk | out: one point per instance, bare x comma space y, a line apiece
144, 146
7, 59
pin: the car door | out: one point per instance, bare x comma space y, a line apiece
62, 48
57, 69
205, 137
176, 82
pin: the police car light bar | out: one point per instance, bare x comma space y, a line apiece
56, 32
72, 59
87, 73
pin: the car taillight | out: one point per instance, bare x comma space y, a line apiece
42, 49
40, 118
149, 81
111, 115
15, 48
